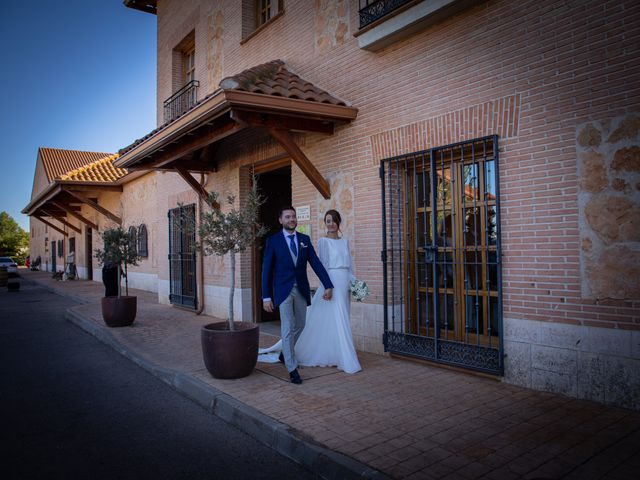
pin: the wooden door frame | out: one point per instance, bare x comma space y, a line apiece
256, 264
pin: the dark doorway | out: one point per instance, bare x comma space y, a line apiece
275, 185
53, 256
88, 248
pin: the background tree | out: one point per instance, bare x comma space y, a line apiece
14, 241
120, 248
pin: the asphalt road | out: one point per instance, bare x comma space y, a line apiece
73, 408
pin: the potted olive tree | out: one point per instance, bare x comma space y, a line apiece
230, 349
119, 250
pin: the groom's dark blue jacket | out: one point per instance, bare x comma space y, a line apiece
279, 274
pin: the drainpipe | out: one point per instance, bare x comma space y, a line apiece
201, 250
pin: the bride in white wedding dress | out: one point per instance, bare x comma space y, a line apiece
326, 339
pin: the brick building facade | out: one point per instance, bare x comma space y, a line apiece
492, 158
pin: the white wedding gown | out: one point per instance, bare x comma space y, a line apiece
326, 339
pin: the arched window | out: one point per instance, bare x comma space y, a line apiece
143, 251
134, 237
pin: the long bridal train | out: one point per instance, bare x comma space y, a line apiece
326, 339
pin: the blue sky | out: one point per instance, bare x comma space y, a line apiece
77, 74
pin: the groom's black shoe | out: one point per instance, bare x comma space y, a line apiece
295, 377
281, 357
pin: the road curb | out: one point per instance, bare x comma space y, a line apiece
285, 440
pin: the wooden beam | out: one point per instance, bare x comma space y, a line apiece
93, 188
199, 189
61, 220
198, 141
88, 223
85, 199
51, 225
283, 137
281, 122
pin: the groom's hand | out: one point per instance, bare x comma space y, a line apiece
268, 305
328, 293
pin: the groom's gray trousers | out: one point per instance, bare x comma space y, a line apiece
293, 316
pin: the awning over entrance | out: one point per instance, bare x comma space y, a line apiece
268, 98
64, 196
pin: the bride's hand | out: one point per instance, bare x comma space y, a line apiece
328, 293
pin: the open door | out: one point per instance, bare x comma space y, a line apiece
275, 186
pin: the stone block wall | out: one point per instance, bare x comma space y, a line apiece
609, 203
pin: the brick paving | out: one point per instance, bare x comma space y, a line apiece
402, 418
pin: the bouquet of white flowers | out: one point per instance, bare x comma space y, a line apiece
359, 290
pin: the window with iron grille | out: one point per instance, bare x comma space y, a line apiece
142, 241
372, 10
441, 254
183, 81
182, 256
133, 236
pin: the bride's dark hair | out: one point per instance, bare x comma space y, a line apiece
335, 216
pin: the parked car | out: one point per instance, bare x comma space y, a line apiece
12, 267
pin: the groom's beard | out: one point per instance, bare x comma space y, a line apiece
290, 229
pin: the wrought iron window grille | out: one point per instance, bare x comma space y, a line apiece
442, 282
182, 256
133, 236
143, 250
181, 101
370, 11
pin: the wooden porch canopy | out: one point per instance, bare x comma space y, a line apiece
63, 199
69, 189
264, 98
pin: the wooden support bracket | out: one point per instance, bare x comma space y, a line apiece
62, 220
87, 222
66, 234
193, 183
85, 199
283, 137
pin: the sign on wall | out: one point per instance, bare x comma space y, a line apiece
303, 213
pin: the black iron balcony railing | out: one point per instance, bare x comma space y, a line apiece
372, 10
181, 101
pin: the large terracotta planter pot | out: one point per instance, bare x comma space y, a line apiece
230, 354
119, 311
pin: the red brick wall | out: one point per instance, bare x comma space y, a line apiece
548, 66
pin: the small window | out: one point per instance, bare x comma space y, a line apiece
258, 13
142, 241
60, 248
133, 235
189, 64
264, 11
72, 245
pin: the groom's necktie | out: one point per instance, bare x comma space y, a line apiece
292, 245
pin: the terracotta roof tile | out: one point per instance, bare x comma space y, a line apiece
271, 78
274, 78
101, 170
57, 161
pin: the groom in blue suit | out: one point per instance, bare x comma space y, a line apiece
285, 284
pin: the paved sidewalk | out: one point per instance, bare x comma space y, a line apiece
396, 418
